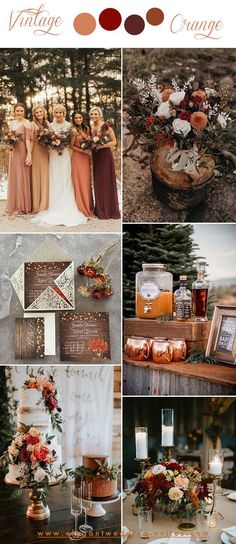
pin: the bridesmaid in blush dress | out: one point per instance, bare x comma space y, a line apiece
81, 166
106, 199
19, 193
40, 159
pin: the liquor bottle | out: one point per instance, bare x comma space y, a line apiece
182, 301
200, 293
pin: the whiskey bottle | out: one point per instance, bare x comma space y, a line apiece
182, 301
200, 293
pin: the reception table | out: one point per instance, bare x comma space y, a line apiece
163, 527
16, 528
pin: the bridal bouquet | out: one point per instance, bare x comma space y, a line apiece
11, 138
175, 486
49, 395
59, 141
189, 119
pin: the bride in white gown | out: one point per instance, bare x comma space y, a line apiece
62, 209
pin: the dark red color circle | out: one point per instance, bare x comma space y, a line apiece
134, 24
110, 19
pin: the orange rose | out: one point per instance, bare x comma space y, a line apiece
33, 385
48, 386
200, 94
41, 452
166, 94
33, 458
198, 120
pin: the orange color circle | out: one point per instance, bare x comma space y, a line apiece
155, 16
84, 24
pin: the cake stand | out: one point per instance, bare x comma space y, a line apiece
97, 510
37, 510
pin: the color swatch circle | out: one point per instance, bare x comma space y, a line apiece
134, 24
84, 24
155, 16
110, 19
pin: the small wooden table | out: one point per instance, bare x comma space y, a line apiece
16, 528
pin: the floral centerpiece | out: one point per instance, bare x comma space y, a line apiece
49, 395
173, 486
188, 119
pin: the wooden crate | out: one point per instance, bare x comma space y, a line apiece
195, 334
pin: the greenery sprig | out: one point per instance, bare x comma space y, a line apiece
198, 356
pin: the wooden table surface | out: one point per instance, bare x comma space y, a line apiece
163, 526
16, 528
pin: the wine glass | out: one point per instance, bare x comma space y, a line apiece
86, 488
76, 510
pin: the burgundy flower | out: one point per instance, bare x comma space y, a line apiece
185, 115
52, 403
32, 440
184, 103
197, 100
23, 455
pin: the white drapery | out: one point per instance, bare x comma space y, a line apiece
86, 399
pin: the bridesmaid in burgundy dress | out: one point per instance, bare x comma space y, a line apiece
19, 190
106, 199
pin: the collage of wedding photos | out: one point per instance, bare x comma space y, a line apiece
118, 295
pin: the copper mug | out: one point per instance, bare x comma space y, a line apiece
162, 351
139, 348
151, 340
179, 349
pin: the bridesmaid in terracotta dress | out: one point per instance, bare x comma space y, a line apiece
40, 161
81, 166
19, 193
106, 199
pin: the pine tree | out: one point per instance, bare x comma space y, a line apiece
171, 245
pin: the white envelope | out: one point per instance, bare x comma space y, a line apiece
60, 296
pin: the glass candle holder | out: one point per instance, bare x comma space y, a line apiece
216, 461
145, 522
167, 427
141, 442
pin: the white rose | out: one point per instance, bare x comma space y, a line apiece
182, 482
164, 110
221, 120
175, 493
13, 450
33, 431
158, 469
181, 127
39, 474
177, 97
19, 440
210, 92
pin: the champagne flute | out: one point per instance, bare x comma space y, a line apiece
76, 510
86, 505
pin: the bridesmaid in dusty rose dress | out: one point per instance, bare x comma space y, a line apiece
81, 166
106, 199
40, 161
19, 193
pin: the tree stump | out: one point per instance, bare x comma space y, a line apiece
179, 190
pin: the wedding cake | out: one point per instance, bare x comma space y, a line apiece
34, 451
103, 477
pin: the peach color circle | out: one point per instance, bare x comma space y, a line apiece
84, 24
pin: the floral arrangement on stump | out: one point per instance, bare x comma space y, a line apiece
176, 487
189, 119
49, 395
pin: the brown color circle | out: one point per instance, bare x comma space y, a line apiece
134, 24
155, 16
84, 24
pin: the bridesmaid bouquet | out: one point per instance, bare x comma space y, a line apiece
11, 138
59, 141
43, 137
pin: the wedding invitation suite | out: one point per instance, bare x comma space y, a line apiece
49, 331
84, 337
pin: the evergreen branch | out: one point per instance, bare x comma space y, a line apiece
198, 356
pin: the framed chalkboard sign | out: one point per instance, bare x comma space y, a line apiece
222, 338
